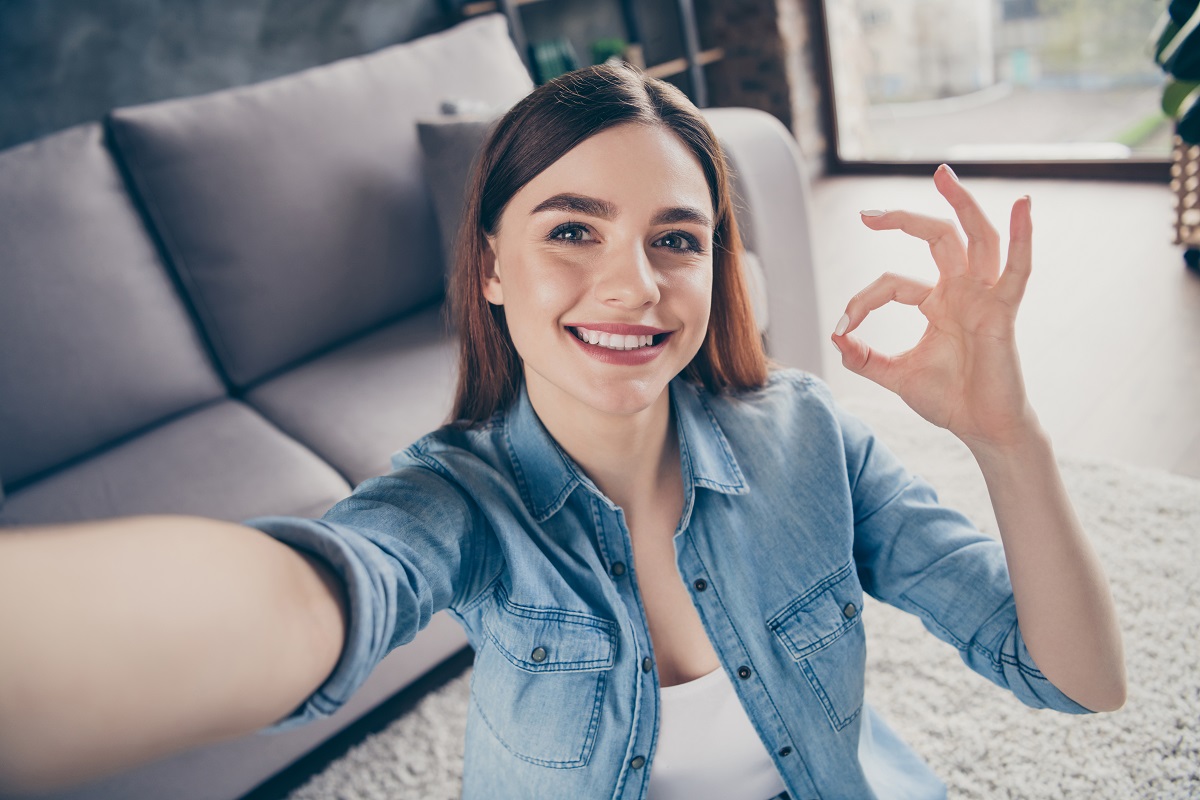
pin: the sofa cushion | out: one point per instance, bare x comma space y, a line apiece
222, 461
97, 342
295, 211
358, 405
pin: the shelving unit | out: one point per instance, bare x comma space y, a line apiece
690, 63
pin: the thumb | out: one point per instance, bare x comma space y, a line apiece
861, 359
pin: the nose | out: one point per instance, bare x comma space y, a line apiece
628, 279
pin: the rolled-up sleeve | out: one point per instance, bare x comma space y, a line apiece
932, 561
399, 546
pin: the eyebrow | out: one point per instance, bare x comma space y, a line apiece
595, 207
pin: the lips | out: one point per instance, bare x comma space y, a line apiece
618, 343
618, 336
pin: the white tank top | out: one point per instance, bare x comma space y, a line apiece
707, 747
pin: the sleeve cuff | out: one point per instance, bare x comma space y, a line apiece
353, 558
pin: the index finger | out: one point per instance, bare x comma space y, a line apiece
983, 240
941, 235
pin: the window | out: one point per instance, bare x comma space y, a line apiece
995, 81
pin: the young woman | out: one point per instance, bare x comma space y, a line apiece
657, 542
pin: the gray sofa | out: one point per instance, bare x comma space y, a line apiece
231, 305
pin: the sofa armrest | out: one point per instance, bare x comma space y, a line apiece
771, 193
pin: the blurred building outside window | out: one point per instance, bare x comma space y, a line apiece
996, 80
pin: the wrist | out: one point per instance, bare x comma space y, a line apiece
1024, 441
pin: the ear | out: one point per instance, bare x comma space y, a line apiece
493, 292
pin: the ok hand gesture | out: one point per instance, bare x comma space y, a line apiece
964, 373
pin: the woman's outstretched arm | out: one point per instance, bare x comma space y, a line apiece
129, 639
1063, 601
964, 375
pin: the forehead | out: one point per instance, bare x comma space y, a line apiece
638, 168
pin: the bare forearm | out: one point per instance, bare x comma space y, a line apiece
126, 640
1063, 601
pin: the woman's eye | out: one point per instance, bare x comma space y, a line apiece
569, 232
681, 242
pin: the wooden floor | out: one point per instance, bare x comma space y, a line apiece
1109, 329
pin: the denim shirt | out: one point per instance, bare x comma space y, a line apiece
792, 510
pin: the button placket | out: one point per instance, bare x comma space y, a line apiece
612, 521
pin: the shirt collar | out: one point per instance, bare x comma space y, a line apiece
547, 475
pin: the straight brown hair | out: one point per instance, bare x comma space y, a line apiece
535, 133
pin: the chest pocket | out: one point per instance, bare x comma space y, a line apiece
822, 631
539, 679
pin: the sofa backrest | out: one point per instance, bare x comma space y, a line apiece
295, 211
95, 342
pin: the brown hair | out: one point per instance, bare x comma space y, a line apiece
535, 133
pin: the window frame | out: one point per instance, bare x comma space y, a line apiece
1141, 169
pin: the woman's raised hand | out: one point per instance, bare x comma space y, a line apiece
964, 373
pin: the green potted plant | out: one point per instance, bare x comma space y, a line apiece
1176, 45
1176, 39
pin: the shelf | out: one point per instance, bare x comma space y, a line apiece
488, 6
475, 9
692, 63
678, 65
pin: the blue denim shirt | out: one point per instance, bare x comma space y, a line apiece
792, 510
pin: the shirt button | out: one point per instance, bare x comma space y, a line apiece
539, 654
785, 751
647, 664
849, 610
618, 569
700, 584
638, 762
743, 672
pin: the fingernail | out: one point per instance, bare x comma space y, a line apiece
874, 212
950, 171
842, 324
835, 346
1029, 200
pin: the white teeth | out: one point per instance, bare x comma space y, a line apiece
613, 341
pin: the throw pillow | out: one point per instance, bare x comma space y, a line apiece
449, 148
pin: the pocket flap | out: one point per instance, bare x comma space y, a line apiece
821, 615
551, 640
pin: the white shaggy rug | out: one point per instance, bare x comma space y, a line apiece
985, 744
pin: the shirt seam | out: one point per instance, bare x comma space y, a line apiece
438, 468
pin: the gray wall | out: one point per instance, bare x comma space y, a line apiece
63, 62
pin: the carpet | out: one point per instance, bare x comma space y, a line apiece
1145, 526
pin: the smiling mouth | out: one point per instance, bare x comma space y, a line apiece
617, 341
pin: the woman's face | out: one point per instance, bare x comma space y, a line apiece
608, 246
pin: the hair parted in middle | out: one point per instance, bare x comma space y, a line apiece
535, 133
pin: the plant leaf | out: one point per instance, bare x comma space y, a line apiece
1174, 93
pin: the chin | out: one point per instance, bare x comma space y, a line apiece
612, 394
620, 396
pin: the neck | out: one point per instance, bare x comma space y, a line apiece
628, 456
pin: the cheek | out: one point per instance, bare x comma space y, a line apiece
693, 288
538, 292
